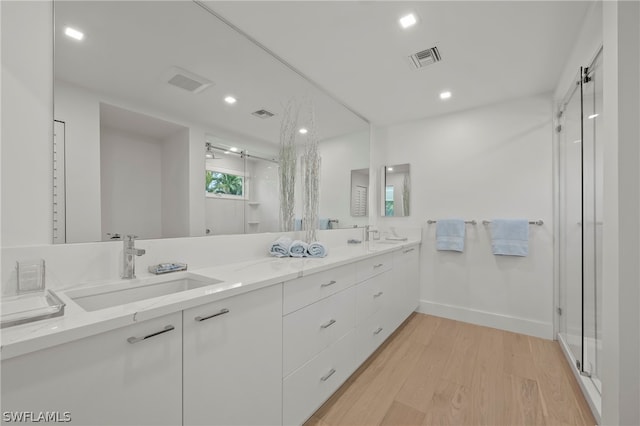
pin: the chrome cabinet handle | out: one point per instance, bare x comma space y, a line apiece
222, 312
408, 250
329, 374
332, 282
378, 265
378, 294
378, 330
166, 329
328, 324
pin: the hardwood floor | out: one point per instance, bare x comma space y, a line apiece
435, 371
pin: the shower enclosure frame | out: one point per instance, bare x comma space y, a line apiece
591, 391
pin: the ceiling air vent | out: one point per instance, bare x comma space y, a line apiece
187, 80
425, 57
263, 113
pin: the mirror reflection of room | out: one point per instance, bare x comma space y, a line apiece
396, 190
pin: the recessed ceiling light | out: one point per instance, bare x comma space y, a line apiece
227, 152
73, 33
233, 149
389, 169
445, 95
230, 100
408, 20
592, 116
303, 131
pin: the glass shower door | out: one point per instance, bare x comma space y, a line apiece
570, 207
592, 225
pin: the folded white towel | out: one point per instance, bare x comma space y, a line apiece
510, 237
280, 247
317, 249
298, 249
450, 234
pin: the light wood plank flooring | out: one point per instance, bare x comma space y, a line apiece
435, 371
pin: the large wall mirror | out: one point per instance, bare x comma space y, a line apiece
168, 125
396, 190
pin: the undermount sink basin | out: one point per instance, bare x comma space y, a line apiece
109, 295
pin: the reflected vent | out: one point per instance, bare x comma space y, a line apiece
263, 113
187, 80
425, 57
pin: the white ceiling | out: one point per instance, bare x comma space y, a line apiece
491, 51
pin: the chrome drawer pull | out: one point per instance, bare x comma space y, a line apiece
378, 265
329, 374
140, 339
408, 250
332, 282
378, 294
378, 330
222, 312
329, 324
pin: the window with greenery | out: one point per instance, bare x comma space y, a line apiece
224, 183
388, 201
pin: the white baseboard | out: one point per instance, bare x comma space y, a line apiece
488, 319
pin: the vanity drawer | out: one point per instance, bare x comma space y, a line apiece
306, 290
307, 331
373, 295
306, 389
370, 334
373, 266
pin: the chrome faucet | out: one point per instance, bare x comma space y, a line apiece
368, 231
129, 255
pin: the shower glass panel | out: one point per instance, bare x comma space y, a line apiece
592, 224
580, 227
570, 205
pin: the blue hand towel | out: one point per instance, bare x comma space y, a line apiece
280, 247
317, 249
297, 226
450, 234
298, 249
510, 237
323, 223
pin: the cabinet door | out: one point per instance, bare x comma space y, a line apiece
233, 360
406, 273
128, 376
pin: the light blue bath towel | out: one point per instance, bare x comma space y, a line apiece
280, 247
317, 249
298, 249
510, 237
450, 234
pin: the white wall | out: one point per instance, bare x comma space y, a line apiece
131, 184
27, 123
266, 192
175, 185
621, 229
488, 162
80, 111
340, 155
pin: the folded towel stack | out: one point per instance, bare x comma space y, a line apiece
510, 237
298, 249
317, 249
450, 234
286, 247
280, 247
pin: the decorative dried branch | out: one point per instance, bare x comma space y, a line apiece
287, 155
311, 179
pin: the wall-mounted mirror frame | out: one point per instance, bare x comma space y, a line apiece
118, 77
395, 190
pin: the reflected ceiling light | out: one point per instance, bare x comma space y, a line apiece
303, 131
592, 116
445, 95
208, 153
408, 20
227, 152
230, 100
73, 33
233, 149
578, 141
389, 169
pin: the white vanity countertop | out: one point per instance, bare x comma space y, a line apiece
237, 278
